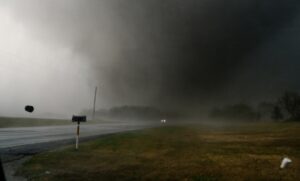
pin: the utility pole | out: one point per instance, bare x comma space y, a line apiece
94, 108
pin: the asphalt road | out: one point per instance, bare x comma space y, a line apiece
16, 137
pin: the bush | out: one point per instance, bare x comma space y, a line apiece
290, 102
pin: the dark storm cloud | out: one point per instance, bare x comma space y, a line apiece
195, 48
174, 52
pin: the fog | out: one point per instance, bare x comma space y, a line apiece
180, 55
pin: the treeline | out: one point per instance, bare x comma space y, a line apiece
133, 113
235, 112
285, 108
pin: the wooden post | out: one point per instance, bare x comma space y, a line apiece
77, 135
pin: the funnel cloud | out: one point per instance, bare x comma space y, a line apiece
171, 54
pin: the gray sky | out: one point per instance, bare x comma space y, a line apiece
171, 54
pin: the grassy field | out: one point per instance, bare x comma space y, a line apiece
244, 152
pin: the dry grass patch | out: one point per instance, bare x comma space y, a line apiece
176, 153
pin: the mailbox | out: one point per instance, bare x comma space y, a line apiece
79, 119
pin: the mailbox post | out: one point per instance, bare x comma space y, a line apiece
78, 119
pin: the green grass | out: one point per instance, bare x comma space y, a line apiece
244, 152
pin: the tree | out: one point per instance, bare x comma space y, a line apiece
277, 114
290, 102
265, 109
236, 112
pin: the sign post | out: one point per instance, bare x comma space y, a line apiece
78, 119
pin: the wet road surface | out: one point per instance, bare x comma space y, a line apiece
12, 137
